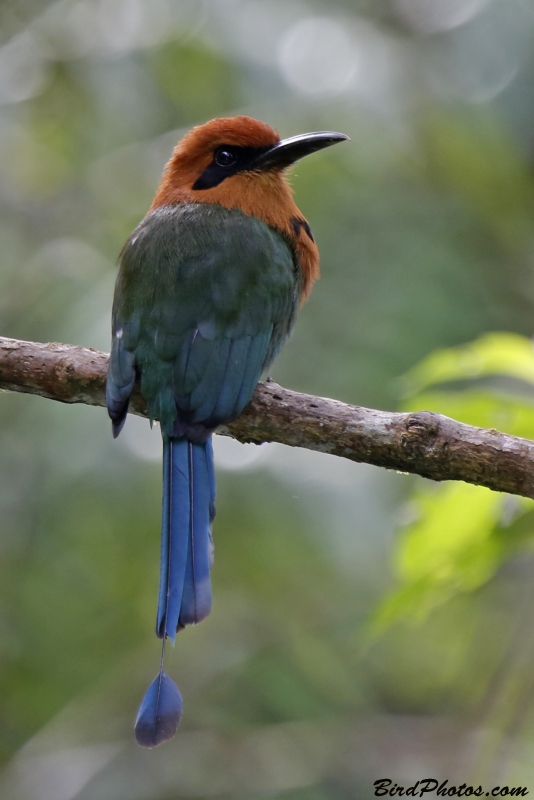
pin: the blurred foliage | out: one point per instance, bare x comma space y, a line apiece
424, 222
198, 81
494, 354
461, 533
477, 160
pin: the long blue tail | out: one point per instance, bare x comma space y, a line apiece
184, 583
186, 543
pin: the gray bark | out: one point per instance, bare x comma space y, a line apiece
423, 443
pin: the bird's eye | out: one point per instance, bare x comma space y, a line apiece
225, 158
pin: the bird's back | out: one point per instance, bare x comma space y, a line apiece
205, 297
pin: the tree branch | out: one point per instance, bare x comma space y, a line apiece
424, 443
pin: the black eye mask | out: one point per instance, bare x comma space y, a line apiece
227, 161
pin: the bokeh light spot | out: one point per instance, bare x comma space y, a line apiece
24, 69
317, 56
232, 455
438, 15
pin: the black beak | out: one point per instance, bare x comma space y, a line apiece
286, 152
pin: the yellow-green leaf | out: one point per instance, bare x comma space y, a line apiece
493, 354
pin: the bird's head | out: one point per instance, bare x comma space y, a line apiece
227, 156
240, 162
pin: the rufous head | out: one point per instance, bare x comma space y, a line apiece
223, 156
240, 162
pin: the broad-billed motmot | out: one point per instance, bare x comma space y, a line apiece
207, 291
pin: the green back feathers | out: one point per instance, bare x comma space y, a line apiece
204, 300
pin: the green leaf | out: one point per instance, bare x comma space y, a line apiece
493, 354
459, 540
449, 549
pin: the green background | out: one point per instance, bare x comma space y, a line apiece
365, 624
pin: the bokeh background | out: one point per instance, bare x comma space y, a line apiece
366, 624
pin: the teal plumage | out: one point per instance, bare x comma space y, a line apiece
207, 292
204, 300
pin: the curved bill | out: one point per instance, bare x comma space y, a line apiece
286, 152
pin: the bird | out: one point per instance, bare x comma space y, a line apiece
208, 288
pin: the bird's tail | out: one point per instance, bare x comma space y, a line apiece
184, 584
186, 543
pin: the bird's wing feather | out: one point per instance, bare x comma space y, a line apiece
205, 296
